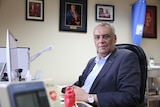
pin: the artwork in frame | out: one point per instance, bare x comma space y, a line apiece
150, 24
35, 10
104, 12
73, 16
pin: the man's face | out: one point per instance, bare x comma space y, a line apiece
73, 7
104, 40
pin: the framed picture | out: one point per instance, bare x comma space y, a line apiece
104, 12
150, 24
35, 10
73, 15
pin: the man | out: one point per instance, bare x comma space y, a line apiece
72, 16
112, 78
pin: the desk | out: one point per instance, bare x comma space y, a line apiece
80, 104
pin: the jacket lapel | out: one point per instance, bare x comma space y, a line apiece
104, 70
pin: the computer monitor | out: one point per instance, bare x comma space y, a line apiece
24, 94
11, 56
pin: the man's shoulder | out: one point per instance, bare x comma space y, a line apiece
123, 52
92, 59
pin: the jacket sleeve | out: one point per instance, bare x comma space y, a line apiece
85, 73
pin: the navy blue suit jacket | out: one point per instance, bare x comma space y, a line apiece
118, 83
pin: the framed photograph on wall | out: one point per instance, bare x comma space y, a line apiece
35, 10
73, 15
104, 12
150, 24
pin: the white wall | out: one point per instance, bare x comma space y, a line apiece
71, 50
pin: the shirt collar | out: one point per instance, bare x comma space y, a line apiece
97, 59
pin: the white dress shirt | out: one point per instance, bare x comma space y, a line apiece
93, 74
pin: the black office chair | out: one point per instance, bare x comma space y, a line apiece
143, 67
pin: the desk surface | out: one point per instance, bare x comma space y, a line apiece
80, 104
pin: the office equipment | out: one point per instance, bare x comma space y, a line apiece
23, 94
23, 60
11, 56
48, 48
19, 55
53, 94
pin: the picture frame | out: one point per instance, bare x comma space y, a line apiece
35, 10
70, 21
150, 24
104, 12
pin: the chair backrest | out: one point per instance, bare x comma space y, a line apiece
143, 65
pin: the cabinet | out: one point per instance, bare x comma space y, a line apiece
152, 95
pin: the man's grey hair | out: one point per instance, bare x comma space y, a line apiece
107, 24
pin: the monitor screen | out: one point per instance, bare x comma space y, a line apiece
33, 98
11, 56
26, 100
